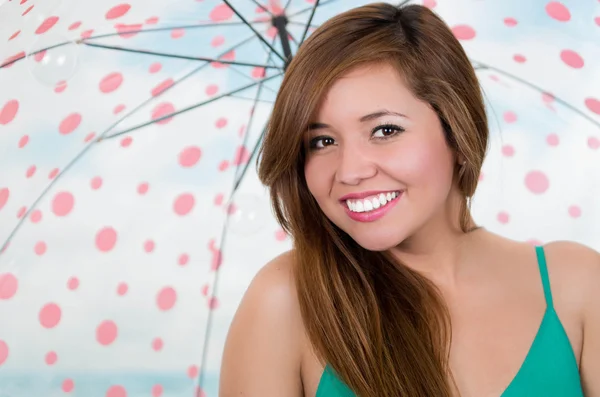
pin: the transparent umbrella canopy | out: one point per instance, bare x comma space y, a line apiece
131, 217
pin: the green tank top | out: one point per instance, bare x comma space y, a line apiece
549, 370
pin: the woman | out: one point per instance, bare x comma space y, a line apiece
372, 154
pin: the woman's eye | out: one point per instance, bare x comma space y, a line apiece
387, 130
321, 142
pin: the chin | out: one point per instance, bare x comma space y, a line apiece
375, 242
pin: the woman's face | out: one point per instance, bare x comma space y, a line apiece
351, 153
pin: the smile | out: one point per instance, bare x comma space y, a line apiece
373, 207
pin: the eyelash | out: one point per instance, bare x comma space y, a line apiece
312, 143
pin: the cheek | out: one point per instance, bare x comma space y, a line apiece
421, 163
316, 176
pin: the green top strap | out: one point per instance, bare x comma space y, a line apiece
541, 257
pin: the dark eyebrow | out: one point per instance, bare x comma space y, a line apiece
363, 119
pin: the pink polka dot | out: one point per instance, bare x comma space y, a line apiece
429, 3
155, 67
51, 358
177, 33
23, 141
27, 11
552, 140
163, 110
216, 260
183, 204
204, 290
69, 124
258, 72
558, 11
50, 315
242, 156
212, 89
89, 137
574, 211
4, 194
221, 122
220, 13
30, 171
593, 142
192, 371
111, 82
162, 87
510, 117
118, 109
14, 35
122, 289
223, 165
68, 385
106, 239
537, 182
75, 25
9, 111
40, 248
46, 25
508, 150
106, 333
157, 391
520, 58
597, 20
548, 97
149, 246
36, 216
142, 188
21, 212
213, 303
510, 22
183, 260
157, 344
60, 86
118, 11
3, 352
53, 173
464, 32
503, 217
8, 286
73, 283
63, 203
572, 59
217, 41
593, 104
96, 183
189, 156
280, 235
166, 298
152, 21
219, 199
87, 34
116, 391
126, 142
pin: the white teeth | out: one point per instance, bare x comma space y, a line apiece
376, 203
382, 199
371, 203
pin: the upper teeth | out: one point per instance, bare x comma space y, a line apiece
371, 202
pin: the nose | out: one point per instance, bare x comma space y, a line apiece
354, 165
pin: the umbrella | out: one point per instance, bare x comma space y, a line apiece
131, 218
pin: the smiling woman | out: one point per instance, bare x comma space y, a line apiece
372, 155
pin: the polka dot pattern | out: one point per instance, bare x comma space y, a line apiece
119, 256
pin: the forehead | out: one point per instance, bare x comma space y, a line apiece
363, 89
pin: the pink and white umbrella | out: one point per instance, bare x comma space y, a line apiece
131, 217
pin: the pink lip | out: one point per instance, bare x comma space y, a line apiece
375, 214
362, 195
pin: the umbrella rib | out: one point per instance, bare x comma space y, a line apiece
535, 87
263, 7
226, 223
322, 3
89, 146
260, 37
177, 56
312, 14
191, 107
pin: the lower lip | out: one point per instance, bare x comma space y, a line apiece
374, 214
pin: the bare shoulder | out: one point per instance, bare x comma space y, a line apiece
575, 268
263, 350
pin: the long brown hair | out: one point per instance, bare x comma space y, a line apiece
382, 327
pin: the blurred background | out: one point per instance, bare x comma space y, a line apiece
131, 217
